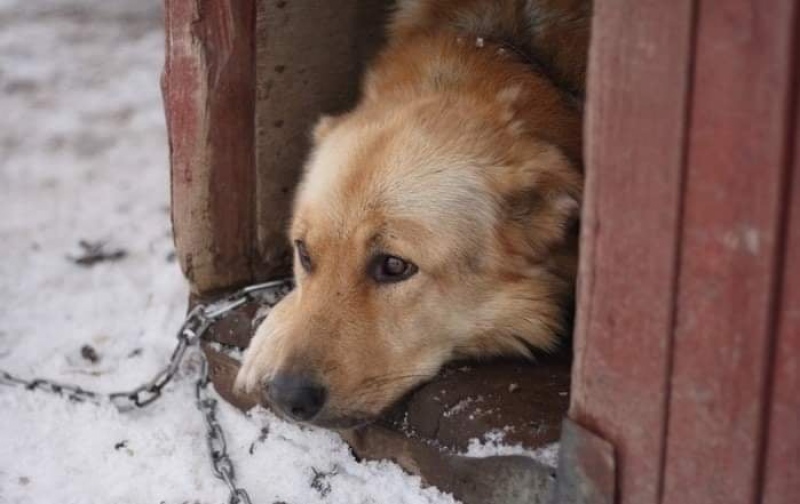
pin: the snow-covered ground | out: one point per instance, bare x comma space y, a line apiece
83, 158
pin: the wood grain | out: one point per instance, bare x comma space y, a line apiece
637, 98
781, 471
731, 249
209, 89
309, 62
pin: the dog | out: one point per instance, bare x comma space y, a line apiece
438, 219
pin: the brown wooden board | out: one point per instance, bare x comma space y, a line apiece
243, 83
309, 60
209, 89
781, 472
731, 247
637, 96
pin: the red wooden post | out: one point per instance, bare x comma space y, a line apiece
781, 472
209, 89
243, 82
731, 246
637, 90
688, 336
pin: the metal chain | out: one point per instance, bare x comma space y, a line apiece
197, 322
221, 463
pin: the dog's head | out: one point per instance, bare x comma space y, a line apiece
423, 231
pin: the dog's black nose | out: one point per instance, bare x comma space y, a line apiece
297, 396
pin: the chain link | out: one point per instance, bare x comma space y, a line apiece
197, 322
221, 463
71, 392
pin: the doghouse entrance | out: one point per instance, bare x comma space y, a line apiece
687, 334
240, 99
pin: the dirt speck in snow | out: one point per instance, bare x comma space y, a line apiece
90, 354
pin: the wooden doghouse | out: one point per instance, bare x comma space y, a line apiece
686, 379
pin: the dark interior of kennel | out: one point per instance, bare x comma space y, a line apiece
686, 385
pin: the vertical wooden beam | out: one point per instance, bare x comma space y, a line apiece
209, 87
781, 471
309, 60
637, 99
731, 250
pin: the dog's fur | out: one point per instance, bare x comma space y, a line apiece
463, 157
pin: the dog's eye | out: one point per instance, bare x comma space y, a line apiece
388, 269
302, 254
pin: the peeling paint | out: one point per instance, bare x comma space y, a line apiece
745, 238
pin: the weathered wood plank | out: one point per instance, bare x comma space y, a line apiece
782, 459
208, 87
309, 60
730, 249
638, 76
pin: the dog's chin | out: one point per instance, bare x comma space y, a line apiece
344, 422
333, 421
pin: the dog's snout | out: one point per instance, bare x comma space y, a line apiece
298, 396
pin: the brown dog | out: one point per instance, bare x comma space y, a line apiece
437, 219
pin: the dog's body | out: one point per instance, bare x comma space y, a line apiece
438, 218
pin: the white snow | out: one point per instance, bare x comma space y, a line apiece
83, 156
493, 443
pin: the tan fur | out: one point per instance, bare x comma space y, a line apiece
461, 158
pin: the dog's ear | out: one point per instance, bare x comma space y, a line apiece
541, 203
324, 126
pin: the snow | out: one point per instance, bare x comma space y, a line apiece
493, 443
83, 157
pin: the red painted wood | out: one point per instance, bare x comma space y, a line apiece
209, 90
730, 250
638, 73
782, 461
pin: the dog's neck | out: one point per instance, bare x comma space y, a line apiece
449, 65
505, 49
